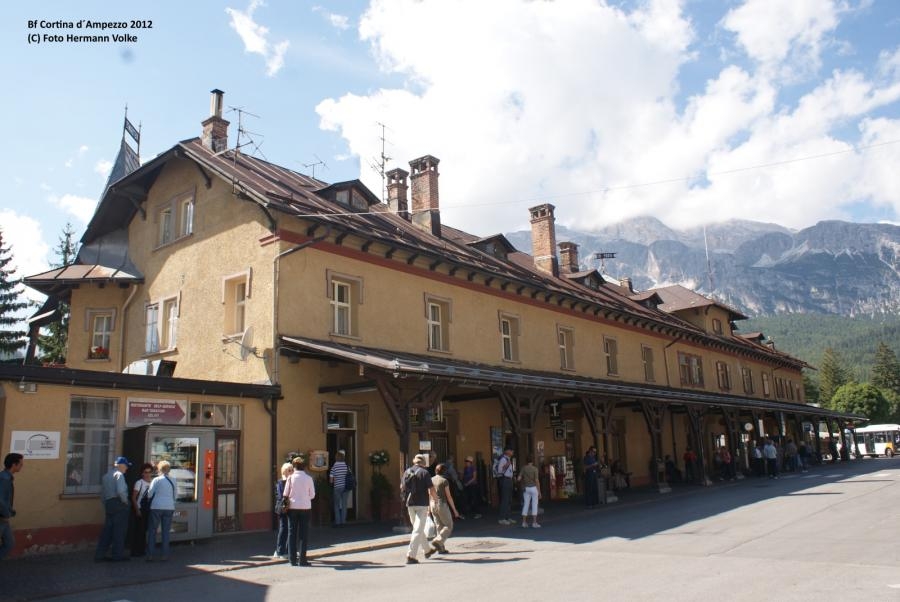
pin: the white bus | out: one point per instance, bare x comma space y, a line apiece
877, 440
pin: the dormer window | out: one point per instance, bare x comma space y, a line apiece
496, 246
717, 326
343, 197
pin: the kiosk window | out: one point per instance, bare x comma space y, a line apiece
183, 454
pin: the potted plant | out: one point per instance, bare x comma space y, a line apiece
381, 487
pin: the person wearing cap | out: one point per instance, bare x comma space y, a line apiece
470, 486
114, 494
418, 491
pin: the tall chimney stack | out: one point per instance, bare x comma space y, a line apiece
568, 257
425, 202
543, 238
215, 128
396, 190
625, 282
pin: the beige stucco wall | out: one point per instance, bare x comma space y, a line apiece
41, 502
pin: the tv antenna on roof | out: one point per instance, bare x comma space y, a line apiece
318, 161
603, 256
244, 133
379, 164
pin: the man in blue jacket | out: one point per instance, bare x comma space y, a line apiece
12, 464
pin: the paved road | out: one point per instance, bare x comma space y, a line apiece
831, 533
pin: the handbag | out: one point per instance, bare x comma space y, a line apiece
430, 528
280, 505
145, 501
349, 481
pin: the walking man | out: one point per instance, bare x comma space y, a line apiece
505, 485
12, 464
115, 504
443, 510
338, 477
417, 490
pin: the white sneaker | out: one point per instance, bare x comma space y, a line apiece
536, 526
524, 525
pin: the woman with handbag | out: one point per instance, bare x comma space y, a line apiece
281, 539
140, 506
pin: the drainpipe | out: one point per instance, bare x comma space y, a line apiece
123, 322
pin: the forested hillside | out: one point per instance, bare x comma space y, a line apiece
808, 335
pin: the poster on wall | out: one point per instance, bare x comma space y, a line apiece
36, 445
496, 441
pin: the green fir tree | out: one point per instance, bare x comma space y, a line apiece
54, 342
833, 373
886, 370
12, 302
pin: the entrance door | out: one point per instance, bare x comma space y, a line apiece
227, 479
341, 436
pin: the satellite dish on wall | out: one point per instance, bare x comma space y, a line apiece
246, 343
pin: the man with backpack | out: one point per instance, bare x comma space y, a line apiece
417, 491
503, 471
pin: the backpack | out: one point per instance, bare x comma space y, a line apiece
498, 470
409, 484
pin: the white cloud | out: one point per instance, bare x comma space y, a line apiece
577, 104
83, 149
24, 237
45, 187
255, 37
82, 208
103, 167
336, 20
774, 32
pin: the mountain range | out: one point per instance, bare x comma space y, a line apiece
833, 267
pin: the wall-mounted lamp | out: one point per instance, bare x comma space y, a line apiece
25, 387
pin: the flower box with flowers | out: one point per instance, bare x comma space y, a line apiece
379, 457
98, 353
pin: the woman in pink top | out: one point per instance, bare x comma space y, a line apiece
300, 491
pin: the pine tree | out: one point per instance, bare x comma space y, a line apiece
833, 374
886, 370
810, 389
11, 302
55, 342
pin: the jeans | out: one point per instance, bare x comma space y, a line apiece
506, 487
772, 466
115, 529
7, 541
298, 528
417, 516
157, 518
341, 497
530, 502
591, 490
473, 498
281, 540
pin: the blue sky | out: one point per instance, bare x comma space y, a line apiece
586, 104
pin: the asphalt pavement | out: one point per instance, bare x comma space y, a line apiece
48, 576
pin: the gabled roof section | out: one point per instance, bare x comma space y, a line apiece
592, 279
496, 245
127, 161
678, 298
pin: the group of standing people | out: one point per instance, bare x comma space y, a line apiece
294, 493
151, 504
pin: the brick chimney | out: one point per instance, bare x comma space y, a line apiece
625, 282
215, 129
543, 238
568, 257
426, 211
396, 190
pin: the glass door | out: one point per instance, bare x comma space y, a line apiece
227, 479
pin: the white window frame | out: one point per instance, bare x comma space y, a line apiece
723, 375
690, 369
648, 363
175, 218
186, 216
565, 338
151, 328
161, 324
166, 219
717, 326
234, 305
100, 336
509, 327
349, 307
611, 355
438, 316
90, 455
